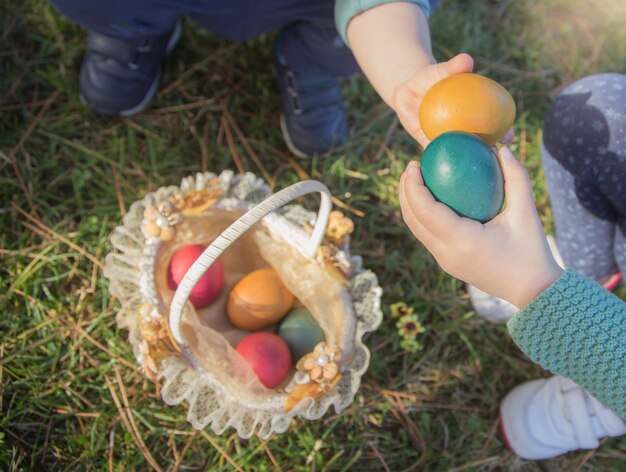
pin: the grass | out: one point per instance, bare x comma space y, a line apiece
67, 375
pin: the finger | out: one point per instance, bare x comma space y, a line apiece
413, 224
517, 186
436, 72
407, 105
422, 234
435, 217
458, 64
508, 137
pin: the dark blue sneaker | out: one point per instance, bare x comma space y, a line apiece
120, 76
312, 119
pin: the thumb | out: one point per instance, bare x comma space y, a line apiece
517, 186
458, 64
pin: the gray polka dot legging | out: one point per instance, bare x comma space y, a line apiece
584, 160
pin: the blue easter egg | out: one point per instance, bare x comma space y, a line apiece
462, 171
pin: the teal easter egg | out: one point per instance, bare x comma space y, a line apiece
462, 171
301, 332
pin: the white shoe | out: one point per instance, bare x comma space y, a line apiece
497, 310
493, 309
545, 418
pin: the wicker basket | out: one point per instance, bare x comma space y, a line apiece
192, 351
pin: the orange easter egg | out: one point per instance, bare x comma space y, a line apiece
258, 300
467, 102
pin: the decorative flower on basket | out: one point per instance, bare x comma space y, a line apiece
160, 221
339, 228
196, 201
204, 242
321, 364
157, 339
318, 372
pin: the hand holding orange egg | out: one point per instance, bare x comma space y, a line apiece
408, 95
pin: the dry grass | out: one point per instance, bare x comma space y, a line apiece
72, 396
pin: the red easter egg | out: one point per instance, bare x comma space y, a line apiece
268, 355
210, 284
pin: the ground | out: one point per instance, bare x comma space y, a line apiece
67, 176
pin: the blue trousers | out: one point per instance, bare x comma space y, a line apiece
310, 42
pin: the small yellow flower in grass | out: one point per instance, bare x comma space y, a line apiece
400, 309
411, 345
409, 326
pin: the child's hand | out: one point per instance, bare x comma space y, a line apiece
507, 257
408, 95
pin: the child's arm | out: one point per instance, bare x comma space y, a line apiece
569, 324
507, 257
391, 43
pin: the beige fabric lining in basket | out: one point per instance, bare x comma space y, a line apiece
221, 388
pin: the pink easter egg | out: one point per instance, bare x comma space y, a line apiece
210, 284
268, 355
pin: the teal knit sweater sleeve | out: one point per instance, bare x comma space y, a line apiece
577, 329
345, 10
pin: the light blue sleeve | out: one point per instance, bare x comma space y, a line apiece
345, 10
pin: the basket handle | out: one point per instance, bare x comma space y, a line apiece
236, 229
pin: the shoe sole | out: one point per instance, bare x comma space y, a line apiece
612, 282
146, 99
294, 150
505, 438
171, 44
